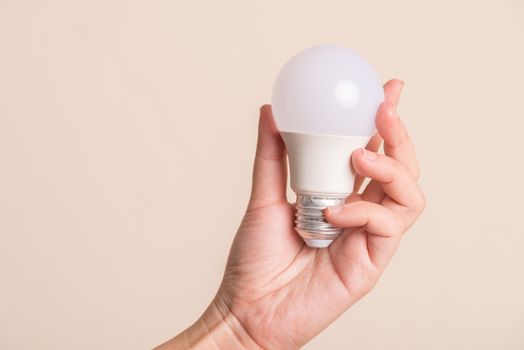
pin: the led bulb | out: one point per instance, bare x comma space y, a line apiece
324, 100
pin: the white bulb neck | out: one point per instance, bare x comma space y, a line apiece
320, 164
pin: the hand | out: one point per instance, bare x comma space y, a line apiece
277, 293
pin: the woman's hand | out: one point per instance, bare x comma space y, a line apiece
277, 293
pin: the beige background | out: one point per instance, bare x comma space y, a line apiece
127, 132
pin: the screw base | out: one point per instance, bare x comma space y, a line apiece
310, 222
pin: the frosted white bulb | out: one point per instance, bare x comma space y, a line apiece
324, 100
327, 90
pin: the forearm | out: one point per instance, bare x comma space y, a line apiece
217, 328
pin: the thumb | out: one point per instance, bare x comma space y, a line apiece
270, 170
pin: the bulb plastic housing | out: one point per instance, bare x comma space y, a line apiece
324, 101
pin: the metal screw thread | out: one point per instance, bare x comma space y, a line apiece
310, 222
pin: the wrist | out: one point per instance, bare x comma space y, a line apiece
217, 328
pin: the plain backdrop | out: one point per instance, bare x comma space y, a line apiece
127, 134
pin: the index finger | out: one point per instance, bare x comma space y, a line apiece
397, 143
392, 91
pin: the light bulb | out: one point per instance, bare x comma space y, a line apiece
324, 100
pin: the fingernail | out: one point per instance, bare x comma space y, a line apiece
368, 154
335, 210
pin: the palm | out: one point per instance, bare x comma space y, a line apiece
270, 268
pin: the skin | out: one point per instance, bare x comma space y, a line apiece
277, 293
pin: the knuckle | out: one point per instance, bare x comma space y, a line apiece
397, 226
416, 172
421, 202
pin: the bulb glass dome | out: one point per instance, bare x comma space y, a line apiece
327, 90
